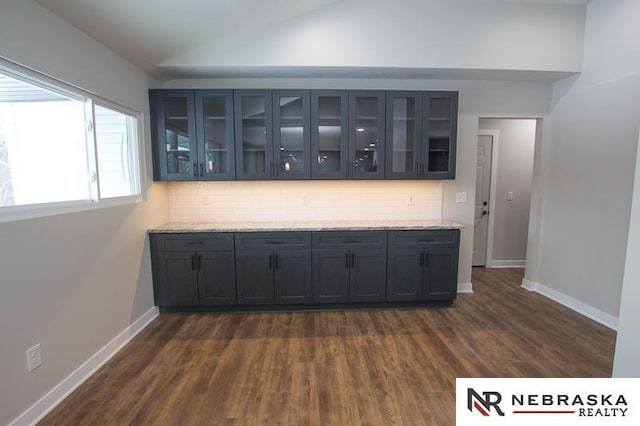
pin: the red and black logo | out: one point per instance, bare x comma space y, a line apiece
485, 403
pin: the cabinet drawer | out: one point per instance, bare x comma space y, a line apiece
439, 238
272, 240
205, 241
341, 239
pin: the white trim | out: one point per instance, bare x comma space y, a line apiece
507, 264
32, 211
55, 396
495, 137
571, 303
465, 288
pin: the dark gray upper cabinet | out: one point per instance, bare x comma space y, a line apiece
214, 122
366, 134
421, 135
292, 136
193, 134
254, 134
439, 134
273, 267
404, 140
347, 134
349, 266
174, 134
302, 134
272, 134
329, 134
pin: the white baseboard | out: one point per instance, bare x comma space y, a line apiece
507, 264
571, 303
55, 396
465, 288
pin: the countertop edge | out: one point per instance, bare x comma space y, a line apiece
180, 228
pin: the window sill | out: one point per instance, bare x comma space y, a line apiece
33, 211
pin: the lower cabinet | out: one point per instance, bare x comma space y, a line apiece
193, 269
349, 266
273, 267
304, 268
422, 265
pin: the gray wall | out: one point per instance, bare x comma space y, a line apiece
589, 161
407, 34
628, 344
516, 145
70, 282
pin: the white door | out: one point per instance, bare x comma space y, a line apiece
481, 211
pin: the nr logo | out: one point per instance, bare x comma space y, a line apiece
485, 403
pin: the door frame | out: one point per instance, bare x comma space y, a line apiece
495, 134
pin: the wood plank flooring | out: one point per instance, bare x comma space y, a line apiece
337, 368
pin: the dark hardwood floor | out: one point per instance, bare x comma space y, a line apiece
373, 367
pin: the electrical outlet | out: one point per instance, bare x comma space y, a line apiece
34, 358
412, 200
509, 196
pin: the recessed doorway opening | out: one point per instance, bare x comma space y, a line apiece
504, 173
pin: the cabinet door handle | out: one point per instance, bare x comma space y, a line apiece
201, 170
199, 262
195, 170
353, 260
276, 261
346, 261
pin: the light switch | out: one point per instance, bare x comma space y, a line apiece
509, 196
461, 197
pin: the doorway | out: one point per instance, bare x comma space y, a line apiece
483, 192
504, 175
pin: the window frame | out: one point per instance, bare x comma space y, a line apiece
90, 100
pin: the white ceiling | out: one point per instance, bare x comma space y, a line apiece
147, 32
150, 32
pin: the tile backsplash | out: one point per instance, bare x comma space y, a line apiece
304, 200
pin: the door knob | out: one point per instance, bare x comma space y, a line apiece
485, 212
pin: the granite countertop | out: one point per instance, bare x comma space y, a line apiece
315, 225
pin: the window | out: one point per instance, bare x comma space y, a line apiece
61, 146
116, 143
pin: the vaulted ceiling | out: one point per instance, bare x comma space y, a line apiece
156, 36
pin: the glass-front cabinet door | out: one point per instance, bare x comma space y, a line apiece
404, 112
440, 114
291, 139
329, 134
366, 135
174, 134
214, 112
253, 134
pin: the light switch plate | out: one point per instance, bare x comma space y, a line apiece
461, 197
509, 196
